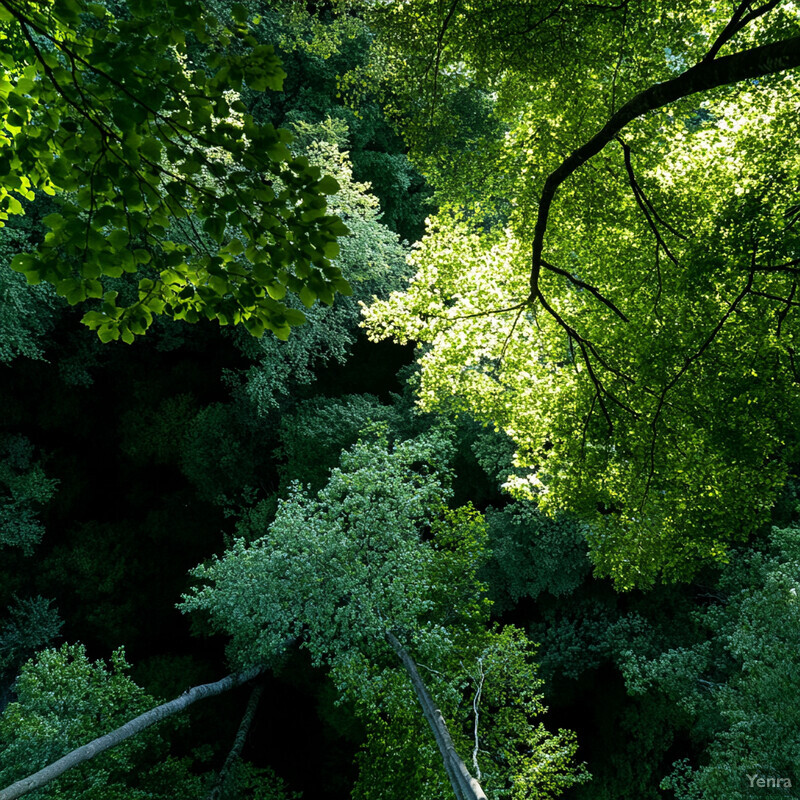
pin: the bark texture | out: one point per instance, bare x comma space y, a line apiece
464, 785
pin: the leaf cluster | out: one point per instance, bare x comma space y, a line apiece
158, 169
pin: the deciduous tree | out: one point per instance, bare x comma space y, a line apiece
617, 292
377, 580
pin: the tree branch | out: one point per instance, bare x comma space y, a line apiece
464, 785
235, 753
589, 288
586, 347
756, 62
682, 371
736, 23
646, 206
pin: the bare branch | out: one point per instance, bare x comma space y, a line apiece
464, 785
583, 285
792, 267
787, 301
239, 740
524, 304
736, 23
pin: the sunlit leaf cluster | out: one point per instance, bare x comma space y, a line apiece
643, 357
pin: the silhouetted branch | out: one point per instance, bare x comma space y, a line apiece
756, 62
583, 285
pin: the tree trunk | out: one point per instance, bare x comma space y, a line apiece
464, 785
235, 754
131, 728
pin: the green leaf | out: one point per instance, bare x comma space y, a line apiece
23, 262
342, 286
307, 296
54, 221
108, 333
219, 284
276, 291
118, 238
294, 316
328, 185
234, 247
94, 318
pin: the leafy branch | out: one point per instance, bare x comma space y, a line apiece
756, 62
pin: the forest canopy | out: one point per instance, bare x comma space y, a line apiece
617, 262
427, 370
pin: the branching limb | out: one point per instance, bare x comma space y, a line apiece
789, 303
792, 267
682, 371
585, 347
650, 214
756, 62
489, 312
464, 785
738, 21
438, 53
583, 285
510, 334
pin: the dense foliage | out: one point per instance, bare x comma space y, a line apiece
158, 168
561, 533
601, 303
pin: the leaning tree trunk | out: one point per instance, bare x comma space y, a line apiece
464, 785
235, 754
131, 728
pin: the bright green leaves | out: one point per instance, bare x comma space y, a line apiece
649, 382
166, 174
